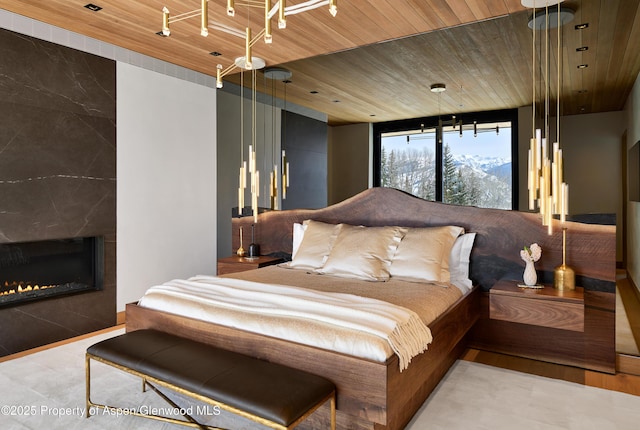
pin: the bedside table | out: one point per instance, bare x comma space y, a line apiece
546, 307
236, 264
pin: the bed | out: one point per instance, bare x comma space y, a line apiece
374, 393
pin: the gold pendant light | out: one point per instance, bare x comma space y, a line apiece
545, 173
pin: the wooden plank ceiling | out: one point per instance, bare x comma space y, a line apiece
376, 60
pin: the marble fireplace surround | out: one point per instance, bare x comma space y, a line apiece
57, 176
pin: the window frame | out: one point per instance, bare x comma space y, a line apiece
432, 122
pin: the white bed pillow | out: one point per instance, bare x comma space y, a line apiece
424, 254
316, 243
364, 253
298, 234
459, 260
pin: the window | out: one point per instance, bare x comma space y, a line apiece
469, 164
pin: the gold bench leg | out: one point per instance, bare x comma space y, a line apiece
333, 411
87, 383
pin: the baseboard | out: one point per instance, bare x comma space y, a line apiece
635, 287
120, 318
55, 344
629, 364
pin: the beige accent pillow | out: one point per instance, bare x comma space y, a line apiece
315, 245
364, 253
423, 254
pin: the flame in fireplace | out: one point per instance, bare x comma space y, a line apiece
17, 287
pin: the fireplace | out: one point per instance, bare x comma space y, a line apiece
39, 270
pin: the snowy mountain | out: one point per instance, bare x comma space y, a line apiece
482, 164
491, 175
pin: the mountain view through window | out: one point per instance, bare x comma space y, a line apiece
476, 164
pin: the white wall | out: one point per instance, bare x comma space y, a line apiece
349, 161
166, 167
632, 111
591, 150
592, 163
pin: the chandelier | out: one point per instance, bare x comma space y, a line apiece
270, 10
249, 62
545, 173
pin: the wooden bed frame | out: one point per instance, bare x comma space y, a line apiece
377, 395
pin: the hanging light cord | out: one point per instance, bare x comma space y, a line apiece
533, 80
546, 75
241, 117
559, 95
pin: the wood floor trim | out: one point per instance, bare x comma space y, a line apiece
631, 302
59, 343
629, 364
622, 382
120, 317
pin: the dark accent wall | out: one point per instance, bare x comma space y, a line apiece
305, 142
57, 175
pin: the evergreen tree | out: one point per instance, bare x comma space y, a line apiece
393, 180
384, 169
450, 178
472, 184
426, 187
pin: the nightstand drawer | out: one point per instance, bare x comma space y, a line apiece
545, 307
545, 313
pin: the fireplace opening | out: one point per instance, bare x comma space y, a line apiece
38, 270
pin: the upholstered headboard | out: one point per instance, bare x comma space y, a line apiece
500, 235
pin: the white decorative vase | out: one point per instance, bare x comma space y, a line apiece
530, 277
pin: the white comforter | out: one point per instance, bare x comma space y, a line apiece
276, 310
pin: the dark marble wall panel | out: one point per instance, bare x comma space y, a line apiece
43, 74
305, 140
57, 174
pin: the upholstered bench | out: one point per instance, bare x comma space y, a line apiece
271, 394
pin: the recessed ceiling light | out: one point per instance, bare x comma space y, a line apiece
582, 26
93, 7
583, 66
215, 53
438, 88
277, 73
582, 49
543, 20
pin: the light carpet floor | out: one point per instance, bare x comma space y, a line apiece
46, 390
